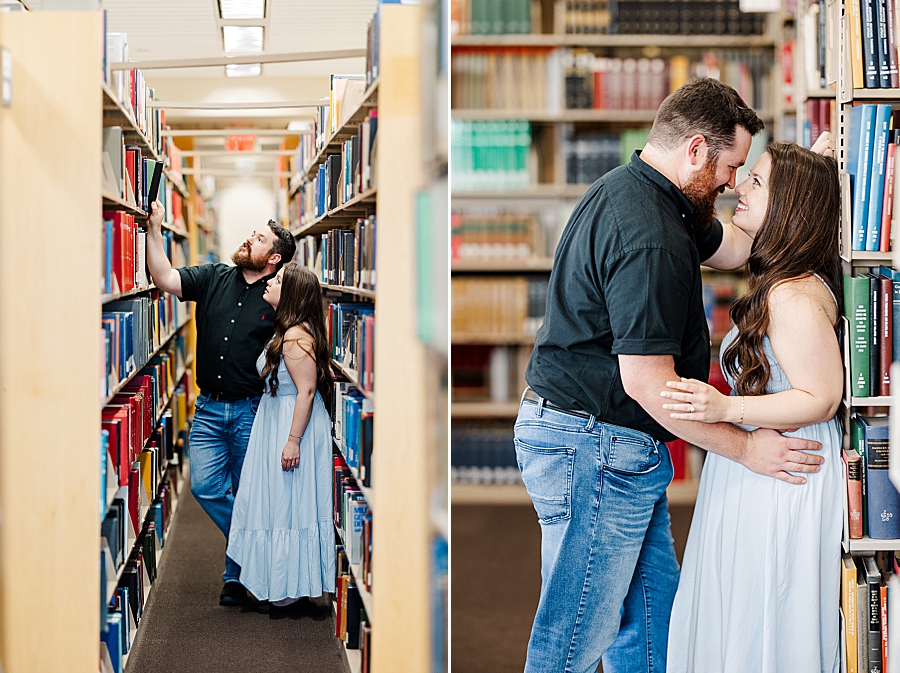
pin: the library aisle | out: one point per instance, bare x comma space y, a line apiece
314, 131
185, 629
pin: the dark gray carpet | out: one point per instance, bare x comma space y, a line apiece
496, 581
184, 628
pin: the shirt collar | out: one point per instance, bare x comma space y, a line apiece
644, 171
239, 275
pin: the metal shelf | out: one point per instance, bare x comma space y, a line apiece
338, 217
510, 265
678, 493
554, 40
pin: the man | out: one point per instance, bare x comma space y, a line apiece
625, 315
233, 326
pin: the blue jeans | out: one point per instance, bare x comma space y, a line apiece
219, 437
608, 566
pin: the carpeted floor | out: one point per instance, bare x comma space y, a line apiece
184, 628
496, 580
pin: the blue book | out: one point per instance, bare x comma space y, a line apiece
881, 130
883, 498
112, 637
859, 166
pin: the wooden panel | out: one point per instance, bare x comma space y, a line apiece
50, 215
400, 637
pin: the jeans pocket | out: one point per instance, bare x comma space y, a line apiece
547, 473
200, 402
632, 455
254, 405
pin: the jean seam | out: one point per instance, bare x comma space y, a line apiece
647, 616
590, 562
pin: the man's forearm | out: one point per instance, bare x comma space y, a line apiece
157, 262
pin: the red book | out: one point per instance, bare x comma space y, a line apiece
678, 452
134, 489
812, 116
885, 341
824, 115
884, 627
884, 245
116, 424
853, 469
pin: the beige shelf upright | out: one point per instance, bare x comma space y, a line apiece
50, 215
401, 531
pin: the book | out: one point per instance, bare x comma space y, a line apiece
859, 166
856, 310
882, 497
848, 607
853, 468
873, 611
880, 141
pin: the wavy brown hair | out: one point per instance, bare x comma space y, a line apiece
798, 237
300, 304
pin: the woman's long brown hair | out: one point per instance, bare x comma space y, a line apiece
300, 304
798, 236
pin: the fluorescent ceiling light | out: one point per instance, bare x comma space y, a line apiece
249, 70
242, 38
242, 9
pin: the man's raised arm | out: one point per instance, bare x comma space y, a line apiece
164, 276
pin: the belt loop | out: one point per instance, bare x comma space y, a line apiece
524, 393
540, 406
591, 422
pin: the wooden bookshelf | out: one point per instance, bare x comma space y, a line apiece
353, 377
115, 114
484, 409
50, 154
359, 292
539, 191
568, 116
678, 493
563, 40
507, 265
497, 339
106, 298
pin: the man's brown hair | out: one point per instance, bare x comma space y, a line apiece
706, 106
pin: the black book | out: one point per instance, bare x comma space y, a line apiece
354, 610
873, 640
349, 257
869, 21
881, 35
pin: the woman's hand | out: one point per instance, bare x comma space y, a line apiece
699, 402
290, 457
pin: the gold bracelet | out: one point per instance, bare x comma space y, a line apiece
301, 436
741, 422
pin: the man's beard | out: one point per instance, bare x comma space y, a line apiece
243, 260
697, 190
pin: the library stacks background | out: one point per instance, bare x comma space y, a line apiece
337, 189
522, 157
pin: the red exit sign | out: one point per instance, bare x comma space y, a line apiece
240, 143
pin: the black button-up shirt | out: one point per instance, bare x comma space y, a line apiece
625, 280
234, 324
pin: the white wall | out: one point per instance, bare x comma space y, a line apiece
243, 207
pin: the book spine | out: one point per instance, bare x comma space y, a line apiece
874, 336
884, 500
885, 342
884, 244
856, 309
869, 43
852, 464
856, 55
881, 28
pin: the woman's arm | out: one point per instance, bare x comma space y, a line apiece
301, 366
801, 318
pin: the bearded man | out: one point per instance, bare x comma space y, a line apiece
625, 315
234, 324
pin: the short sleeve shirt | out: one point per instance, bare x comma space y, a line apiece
234, 324
625, 281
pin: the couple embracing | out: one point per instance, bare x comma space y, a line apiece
619, 367
260, 442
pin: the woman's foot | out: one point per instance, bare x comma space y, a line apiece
277, 611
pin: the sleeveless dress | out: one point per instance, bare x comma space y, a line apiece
282, 527
760, 581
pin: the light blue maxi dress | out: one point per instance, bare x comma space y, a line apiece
760, 582
282, 527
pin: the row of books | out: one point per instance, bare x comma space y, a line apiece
490, 155
872, 309
590, 155
350, 511
342, 256
506, 78
483, 456
124, 266
131, 90
351, 333
346, 93
497, 306
132, 329
873, 44
869, 589
127, 171
820, 117
815, 37
873, 503
340, 178
605, 83
354, 417
871, 148
351, 624
481, 372
373, 46
495, 234
493, 17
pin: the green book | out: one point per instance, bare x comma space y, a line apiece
479, 10
856, 310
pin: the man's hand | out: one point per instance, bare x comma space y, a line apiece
824, 145
157, 213
773, 455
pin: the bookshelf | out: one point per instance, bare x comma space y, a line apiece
398, 605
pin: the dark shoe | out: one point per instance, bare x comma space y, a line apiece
233, 595
263, 607
282, 611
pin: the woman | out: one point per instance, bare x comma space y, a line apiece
759, 588
282, 530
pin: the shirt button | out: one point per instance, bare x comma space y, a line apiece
226, 338
222, 357
220, 377
232, 321
239, 303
